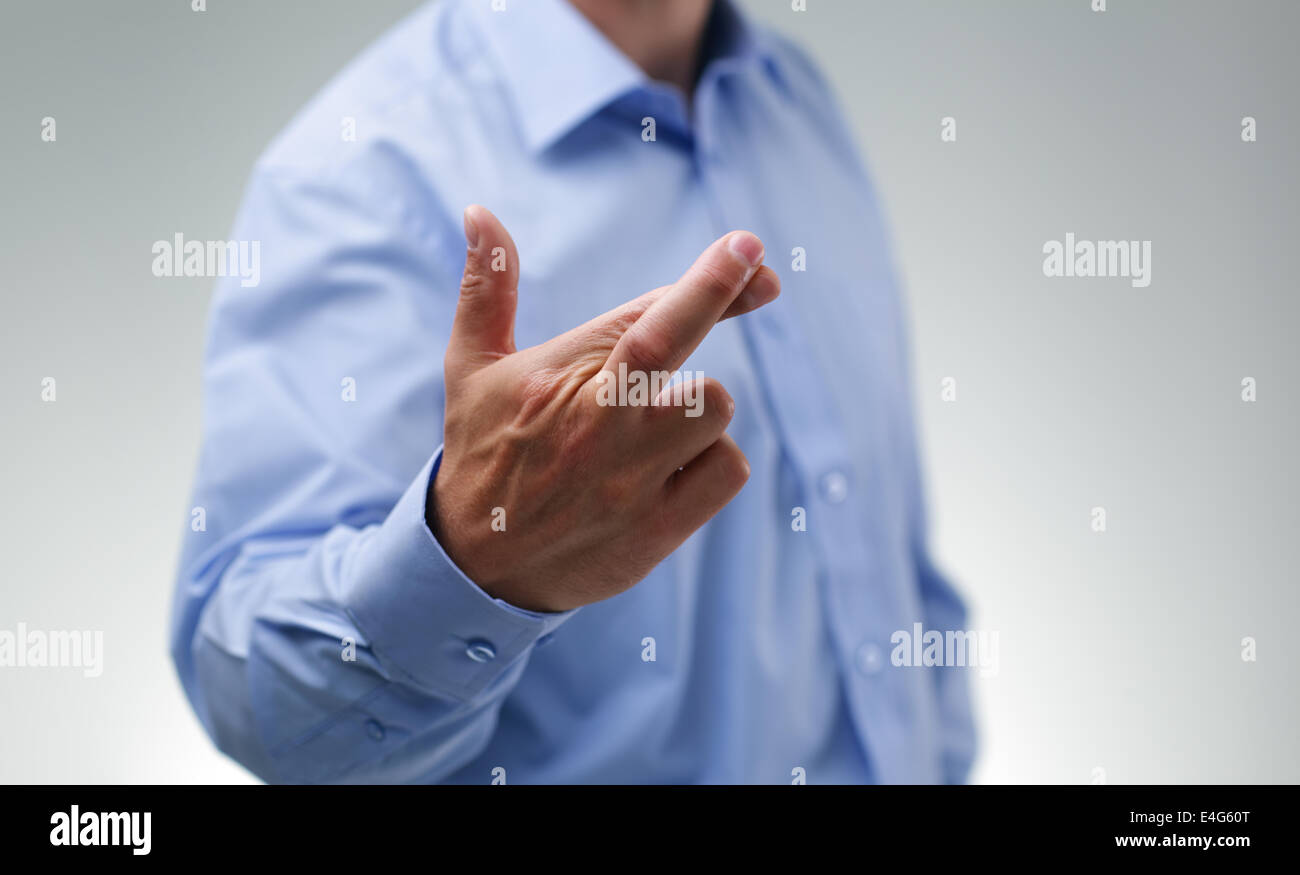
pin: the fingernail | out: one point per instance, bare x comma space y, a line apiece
747, 246
471, 230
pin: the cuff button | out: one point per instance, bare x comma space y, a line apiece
480, 651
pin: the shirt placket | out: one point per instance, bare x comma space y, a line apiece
859, 610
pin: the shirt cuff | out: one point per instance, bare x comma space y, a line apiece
422, 617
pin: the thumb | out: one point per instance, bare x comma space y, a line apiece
484, 328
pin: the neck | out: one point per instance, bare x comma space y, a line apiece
662, 37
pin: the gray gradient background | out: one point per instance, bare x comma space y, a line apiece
1118, 650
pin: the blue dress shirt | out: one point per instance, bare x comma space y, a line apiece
319, 629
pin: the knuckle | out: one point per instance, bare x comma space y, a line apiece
625, 316
646, 346
734, 468
474, 286
532, 392
720, 279
718, 399
620, 323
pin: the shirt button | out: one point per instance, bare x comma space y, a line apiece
835, 487
375, 730
870, 658
480, 651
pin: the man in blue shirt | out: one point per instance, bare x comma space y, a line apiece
431, 550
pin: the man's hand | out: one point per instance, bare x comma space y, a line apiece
586, 498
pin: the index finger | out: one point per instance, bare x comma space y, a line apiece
674, 324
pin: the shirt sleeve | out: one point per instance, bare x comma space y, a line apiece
319, 629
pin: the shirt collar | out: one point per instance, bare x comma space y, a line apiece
560, 70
